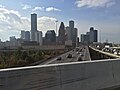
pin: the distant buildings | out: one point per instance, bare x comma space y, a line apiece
25, 35
34, 35
71, 34
90, 37
66, 36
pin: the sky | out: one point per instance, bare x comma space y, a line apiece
103, 15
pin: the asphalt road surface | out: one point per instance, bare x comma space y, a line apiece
82, 53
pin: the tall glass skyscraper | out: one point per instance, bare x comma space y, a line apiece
33, 26
61, 37
71, 28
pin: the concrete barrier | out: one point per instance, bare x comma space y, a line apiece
88, 75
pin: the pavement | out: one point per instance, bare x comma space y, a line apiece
82, 53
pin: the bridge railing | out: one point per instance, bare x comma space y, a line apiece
105, 53
88, 75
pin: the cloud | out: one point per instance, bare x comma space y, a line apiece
49, 9
46, 23
11, 23
38, 8
13, 19
25, 6
94, 3
1, 6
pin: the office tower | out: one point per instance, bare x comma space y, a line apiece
27, 36
77, 41
61, 36
84, 38
67, 31
50, 36
33, 26
93, 35
38, 37
75, 35
23, 34
71, 28
13, 39
88, 36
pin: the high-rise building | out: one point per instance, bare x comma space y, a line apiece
27, 35
50, 36
71, 28
23, 34
61, 36
84, 38
38, 37
67, 31
33, 26
93, 35
74, 35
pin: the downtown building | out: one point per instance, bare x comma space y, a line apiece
90, 37
71, 34
25, 35
35, 34
33, 26
50, 38
61, 37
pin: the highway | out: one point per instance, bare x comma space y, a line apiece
82, 53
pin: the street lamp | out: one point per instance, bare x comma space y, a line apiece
56, 35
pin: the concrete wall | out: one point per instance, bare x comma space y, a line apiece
94, 75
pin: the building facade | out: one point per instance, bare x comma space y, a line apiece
33, 26
61, 36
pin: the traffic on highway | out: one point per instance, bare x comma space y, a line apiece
75, 55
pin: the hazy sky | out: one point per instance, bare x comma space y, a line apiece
104, 15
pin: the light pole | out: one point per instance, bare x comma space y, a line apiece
56, 36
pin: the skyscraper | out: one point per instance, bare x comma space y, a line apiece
23, 34
27, 36
33, 26
71, 28
61, 36
50, 36
38, 37
75, 35
67, 33
93, 35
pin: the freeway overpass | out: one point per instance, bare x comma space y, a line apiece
64, 75
87, 75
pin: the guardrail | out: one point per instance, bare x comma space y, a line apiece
105, 53
88, 75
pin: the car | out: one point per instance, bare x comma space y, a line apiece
59, 58
78, 52
79, 58
81, 54
69, 56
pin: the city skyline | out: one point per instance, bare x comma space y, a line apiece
104, 15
